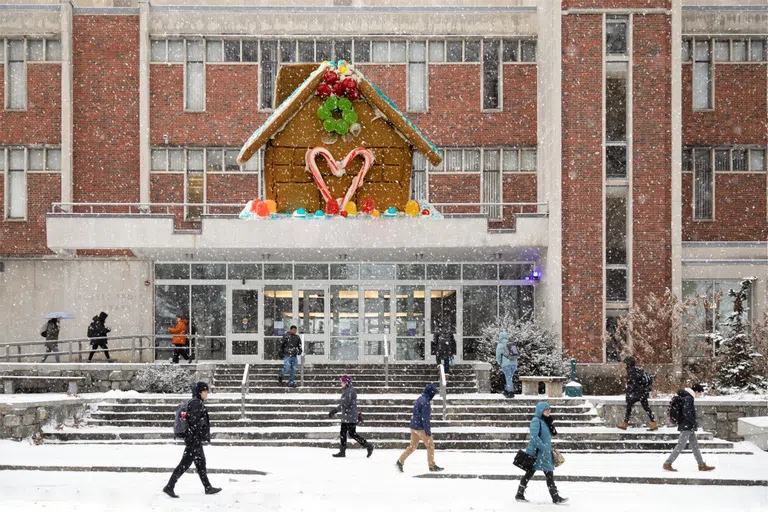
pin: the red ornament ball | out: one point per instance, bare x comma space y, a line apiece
344, 213
349, 83
330, 77
332, 208
353, 94
338, 89
368, 206
324, 91
255, 205
262, 210
425, 211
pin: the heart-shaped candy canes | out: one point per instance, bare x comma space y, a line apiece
338, 169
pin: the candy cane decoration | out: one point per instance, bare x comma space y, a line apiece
338, 169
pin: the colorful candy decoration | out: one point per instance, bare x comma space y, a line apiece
412, 208
262, 210
368, 206
338, 89
253, 205
351, 208
391, 212
425, 212
338, 169
344, 213
332, 207
319, 214
301, 213
271, 205
375, 213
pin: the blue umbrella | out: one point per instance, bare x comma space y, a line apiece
59, 314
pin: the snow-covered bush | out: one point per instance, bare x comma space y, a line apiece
539, 353
155, 378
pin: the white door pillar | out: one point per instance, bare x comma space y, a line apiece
66, 102
144, 152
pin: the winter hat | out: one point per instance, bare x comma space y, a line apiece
697, 388
503, 337
689, 391
346, 379
198, 388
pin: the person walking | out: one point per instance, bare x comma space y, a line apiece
445, 343
639, 385
348, 409
682, 411
97, 332
507, 356
540, 446
198, 432
50, 332
290, 350
421, 429
179, 341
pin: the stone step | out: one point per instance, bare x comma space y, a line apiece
278, 388
317, 422
557, 405
235, 380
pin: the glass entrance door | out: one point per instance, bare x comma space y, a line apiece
278, 317
244, 324
443, 313
312, 320
377, 321
345, 323
410, 324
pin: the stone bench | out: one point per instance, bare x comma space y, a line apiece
553, 385
8, 381
754, 430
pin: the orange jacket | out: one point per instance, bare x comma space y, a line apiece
181, 328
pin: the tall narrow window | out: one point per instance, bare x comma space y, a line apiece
491, 75
17, 185
703, 189
417, 76
616, 262
419, 179
268, 69
616, 35
195, 183
195, 98
16, 81
491, 191
702, 76
616, 120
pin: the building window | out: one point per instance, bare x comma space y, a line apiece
616, 338
703, 185
17, 185
16, 79
491, 75
268, 70
702, 76
491, 184
195, 77
194, 190
616, 35
685, 50
710, 313
419, 185
616, 243
417, 76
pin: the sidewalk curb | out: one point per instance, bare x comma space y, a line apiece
611, 479
123, 469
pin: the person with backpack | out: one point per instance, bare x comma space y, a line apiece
639, 385
421, 429
542, 429
193, 424
50, 332
507, 356
445, 346
290, 350
682, 411
349, 418
97, 332
179, 341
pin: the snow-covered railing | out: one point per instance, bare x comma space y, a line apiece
386, 361
145, 208
443, 390
244, 390
74, 347
494, 211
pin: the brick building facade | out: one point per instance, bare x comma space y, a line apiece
623, 145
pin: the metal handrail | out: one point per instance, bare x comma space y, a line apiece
244, 389
386, 361
140, 208
520, 206
301, 363
444, 390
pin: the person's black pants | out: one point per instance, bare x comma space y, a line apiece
99, 345
446, 362
643, 401
192, 453
549, 475
180, 351
351, 430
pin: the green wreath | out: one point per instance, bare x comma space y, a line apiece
337, 115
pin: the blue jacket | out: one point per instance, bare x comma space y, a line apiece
422, 410
540, 445
500, 357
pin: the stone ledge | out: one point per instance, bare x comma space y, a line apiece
611, 479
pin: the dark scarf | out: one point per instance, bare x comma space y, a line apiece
550, 423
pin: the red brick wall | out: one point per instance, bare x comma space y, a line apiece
582, 186
455, 188
106, 108
740, 209
28, 238
651, 166
740, 115
41, 122
231, 106
616, 4
232, 188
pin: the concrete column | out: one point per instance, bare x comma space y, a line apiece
144, 152
549, 151
677, 149
66, 102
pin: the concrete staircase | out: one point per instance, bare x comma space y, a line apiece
473, 422
324, 378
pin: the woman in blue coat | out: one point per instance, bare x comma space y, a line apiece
540, 446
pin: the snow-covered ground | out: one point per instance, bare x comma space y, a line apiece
307, 479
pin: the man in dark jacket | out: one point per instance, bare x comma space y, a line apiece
638, 390
97, 332
51, 334
687, 425
421, 429
198, 432
290, 350
348, 409
445, 343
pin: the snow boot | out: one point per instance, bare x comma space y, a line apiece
556, 498
169, 491
654, 426
668, 467
520, 496
212, 490
623, 425
399, 466
370, 450
339, 455
435, 468
704, 467
280, 378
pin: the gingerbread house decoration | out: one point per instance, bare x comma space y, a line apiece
335, 137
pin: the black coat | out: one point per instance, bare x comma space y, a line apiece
446, 345
636, 389
97, 329
290, 345
688, 416
198, 421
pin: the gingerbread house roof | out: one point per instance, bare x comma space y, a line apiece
283, 114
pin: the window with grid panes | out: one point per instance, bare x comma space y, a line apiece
417, 76
491, 179
15, 76
491, 74
268, 71
195, 79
